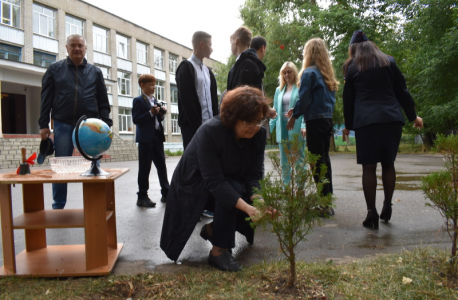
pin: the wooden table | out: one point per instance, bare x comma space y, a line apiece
98, 218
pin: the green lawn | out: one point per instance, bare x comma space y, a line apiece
424, 273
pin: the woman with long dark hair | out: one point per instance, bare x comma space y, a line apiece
374, 93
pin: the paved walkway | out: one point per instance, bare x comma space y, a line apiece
341, 238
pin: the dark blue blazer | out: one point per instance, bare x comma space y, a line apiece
146, 130
376, 96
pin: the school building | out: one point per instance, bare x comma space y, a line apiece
33, 35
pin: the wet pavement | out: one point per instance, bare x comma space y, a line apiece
341, 238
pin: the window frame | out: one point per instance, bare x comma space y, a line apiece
159, 60
43, 14
42, 59
173, 63
144, 52
97, 37
122, 116
173, 91
14, 13
174, 123
8, 51
127, 82
73, 25
159, 93
127, 46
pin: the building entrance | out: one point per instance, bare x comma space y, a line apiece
13, 114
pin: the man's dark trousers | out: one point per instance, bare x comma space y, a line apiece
187, 134
152, 152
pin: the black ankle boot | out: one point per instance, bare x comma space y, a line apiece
371, 219
386, 212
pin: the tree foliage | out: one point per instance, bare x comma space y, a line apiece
429, 47
422, 36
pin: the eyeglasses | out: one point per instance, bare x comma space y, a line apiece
252, 124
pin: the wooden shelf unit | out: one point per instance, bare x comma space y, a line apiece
98, 218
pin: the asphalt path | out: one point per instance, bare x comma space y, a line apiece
341, 238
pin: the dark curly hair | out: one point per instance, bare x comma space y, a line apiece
243, 103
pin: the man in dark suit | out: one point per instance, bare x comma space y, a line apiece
248, 69
197, 94
147, 115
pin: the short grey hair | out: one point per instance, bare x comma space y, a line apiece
79, 36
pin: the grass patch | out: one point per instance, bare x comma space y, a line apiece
173, 153
403, 149
431, 276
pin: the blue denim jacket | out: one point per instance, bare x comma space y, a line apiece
316, 101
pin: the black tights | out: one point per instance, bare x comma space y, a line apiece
370, 183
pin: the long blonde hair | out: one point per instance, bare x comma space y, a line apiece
293, 67
316, 54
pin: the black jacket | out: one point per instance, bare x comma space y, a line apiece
376, 96
211, 156
146, 124
189, 110
247, 70
70, 91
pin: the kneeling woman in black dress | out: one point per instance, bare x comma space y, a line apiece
222, 163
373, 95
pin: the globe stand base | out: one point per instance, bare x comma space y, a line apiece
95, 170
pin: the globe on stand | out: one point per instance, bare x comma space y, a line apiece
92, 137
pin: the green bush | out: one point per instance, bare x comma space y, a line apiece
441, 187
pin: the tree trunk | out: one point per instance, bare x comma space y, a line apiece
455, 235
332, 143
292, 268
428, 140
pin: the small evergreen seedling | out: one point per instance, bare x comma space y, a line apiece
291, 209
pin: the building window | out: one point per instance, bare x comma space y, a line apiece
73, 26
10, 52
173, 94
11, 12
105, 71
175, 127
160, 91
123, 83
125, 120
122, 44
142, 53
43, 59
158, 59
173, 63
44, 20
100, 39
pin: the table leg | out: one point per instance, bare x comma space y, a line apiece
95, 224
33, 198
112, 239
6, 208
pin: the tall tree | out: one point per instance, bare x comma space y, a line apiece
430, 60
